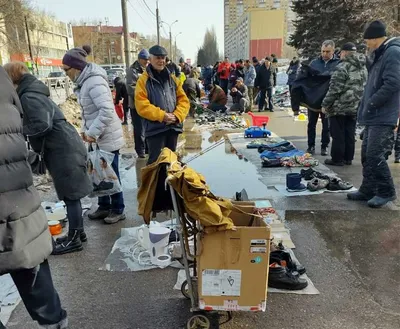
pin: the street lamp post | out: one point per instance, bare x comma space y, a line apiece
170, 35
176, 49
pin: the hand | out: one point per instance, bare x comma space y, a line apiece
234, 90
169, 118
83, 137
90, 139
323, 110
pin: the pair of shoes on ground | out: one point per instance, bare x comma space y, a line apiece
324, 150
331, 184
373, 202
109, 217
330, 162
283, 276
310, 174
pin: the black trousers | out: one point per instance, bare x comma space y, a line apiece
138, 132
343, 131
41, 299
292, 103
126, 111
74, 214
266, 92
376, 148
158, 142
224, 85
312, 129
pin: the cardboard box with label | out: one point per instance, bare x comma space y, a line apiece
233, 265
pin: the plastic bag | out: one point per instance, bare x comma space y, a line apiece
103, 177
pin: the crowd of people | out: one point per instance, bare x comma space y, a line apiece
159, 95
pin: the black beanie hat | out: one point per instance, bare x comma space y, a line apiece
375, 30
349, 46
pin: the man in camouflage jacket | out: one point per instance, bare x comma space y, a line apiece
341, 104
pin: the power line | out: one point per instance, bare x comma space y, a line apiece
144, 1
145, 21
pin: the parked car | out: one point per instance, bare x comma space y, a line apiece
256, 132
113, 73
57, 79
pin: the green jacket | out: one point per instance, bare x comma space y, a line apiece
346, 86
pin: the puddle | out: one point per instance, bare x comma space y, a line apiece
225, 174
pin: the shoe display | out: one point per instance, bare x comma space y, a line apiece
282, 278
73, 243
324, 151
379, 202
336, 184
311, 150
357, 196
293, 183
113, 218
317, 184
284, 259
310, 174
99, 214
330, 162
63, 239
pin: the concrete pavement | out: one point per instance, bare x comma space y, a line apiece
350, 251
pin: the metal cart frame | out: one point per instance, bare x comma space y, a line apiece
189, 288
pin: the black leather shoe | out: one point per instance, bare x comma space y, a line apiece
282, 278
284, 259
63, 239
330, 162
311, 150
72, 244
348, 163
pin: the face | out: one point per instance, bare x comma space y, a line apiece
71, 72
267, 63
103, 164
144, 62
226, 60
343, 54
239, 83
158, 62
372, 44
327, 52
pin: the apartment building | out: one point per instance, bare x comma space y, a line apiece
258, 28
107, 43
38, 40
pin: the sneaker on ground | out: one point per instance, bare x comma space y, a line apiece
336, 184
324, 151
113, 218
317, 184
99, 214
379, 202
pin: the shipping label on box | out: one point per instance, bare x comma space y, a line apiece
258, 242
258, 250
221, 282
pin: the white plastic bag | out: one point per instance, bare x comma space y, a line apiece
103, 177
273, 91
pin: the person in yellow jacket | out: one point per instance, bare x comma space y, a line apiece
161, 101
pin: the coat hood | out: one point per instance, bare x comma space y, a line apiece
357, 60
30, 83
91, 70
393, 42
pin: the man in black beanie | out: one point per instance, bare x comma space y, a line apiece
379, 112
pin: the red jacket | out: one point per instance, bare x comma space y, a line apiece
224, 70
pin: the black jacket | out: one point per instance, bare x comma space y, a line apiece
65, 154
381, 101
266, 77
132, 76
121, 92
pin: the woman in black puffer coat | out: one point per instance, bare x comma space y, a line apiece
65, 155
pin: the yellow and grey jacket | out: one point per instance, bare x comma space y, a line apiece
158, 93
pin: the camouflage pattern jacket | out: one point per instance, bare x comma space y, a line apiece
346, 86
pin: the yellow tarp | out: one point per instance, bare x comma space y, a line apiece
200, 204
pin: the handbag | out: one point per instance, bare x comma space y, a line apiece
38, 166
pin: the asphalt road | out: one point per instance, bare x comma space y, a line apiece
350, 251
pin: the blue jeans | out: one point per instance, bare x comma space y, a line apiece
115, 202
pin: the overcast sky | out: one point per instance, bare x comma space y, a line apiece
194, 17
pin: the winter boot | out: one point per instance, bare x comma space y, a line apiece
63, 239
73, 243
379, 202
357, 196
63, 324
282, 278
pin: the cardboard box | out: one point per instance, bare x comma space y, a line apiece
233, 265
